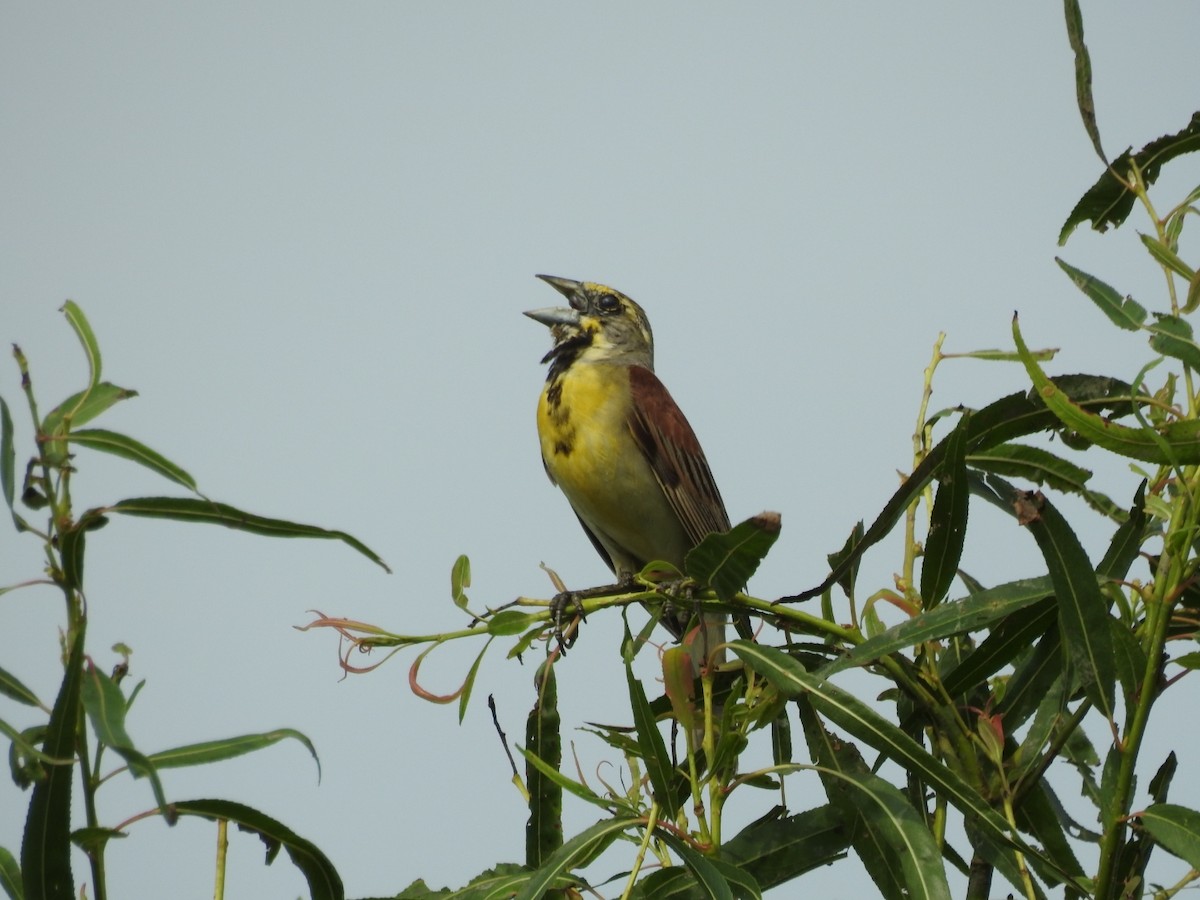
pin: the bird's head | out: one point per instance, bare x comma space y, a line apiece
601, 325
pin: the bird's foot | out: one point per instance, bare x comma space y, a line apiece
566, 628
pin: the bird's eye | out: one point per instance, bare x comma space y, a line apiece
607, 303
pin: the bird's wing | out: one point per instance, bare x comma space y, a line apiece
670, 446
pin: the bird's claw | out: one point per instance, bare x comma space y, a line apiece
564, 634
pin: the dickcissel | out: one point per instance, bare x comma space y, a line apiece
619, 447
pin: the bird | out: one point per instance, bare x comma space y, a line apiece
618, 446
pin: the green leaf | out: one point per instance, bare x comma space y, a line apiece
8, 461
1036, 816
76, 410
188, 509
1178, 443
894, 819
585, 845
837, 761
1172, 337
228, 748
1033, 679
468, 686
849, 575
73, 553
1161, 782
1033, 464
1167, 258
10, 875
105, 706
854, 716
778, 850
1009, 417
1083, 74
976, 611
653, 747
1109, 201
1192, 301
509, 622
1176, 828
1011, 637
13, 688
135, 451
87, 338
1082, 610
567, 784
460, 580
726, 561
324, 883
947, 522
84, 406
544, 829
711, 881
46, 845
1126, 543
1124, 312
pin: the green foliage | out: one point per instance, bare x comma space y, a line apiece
90, 713
981, 693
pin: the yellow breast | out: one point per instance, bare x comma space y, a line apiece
589, 452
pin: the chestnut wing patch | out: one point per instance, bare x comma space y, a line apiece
670, 446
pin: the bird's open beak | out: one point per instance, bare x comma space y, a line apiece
560, 315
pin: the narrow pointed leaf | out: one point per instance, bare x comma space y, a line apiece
1109, 201
1182, 438
8, 459
228, 748
855, 717
73, 552
85, 406
1083, 74
585, 845
1165, 256
1176, 828
127, 448
460, 580
1033, 464
726, 561
324, 883
105, 706
544, 829
568, 784
87, 338
653, 747
897, 822
1009, 417
10, 875
979, 610
711, 881
1192, 301
948, 521
1172, 336
1010, 638
1082, 610
1126, 542
837, 761
1124, 312
1033, 679
46, 845
188, 509
777, 850
13, 688
464, 697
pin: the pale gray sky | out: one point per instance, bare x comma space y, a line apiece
305, 233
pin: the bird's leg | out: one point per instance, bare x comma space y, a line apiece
573, 600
